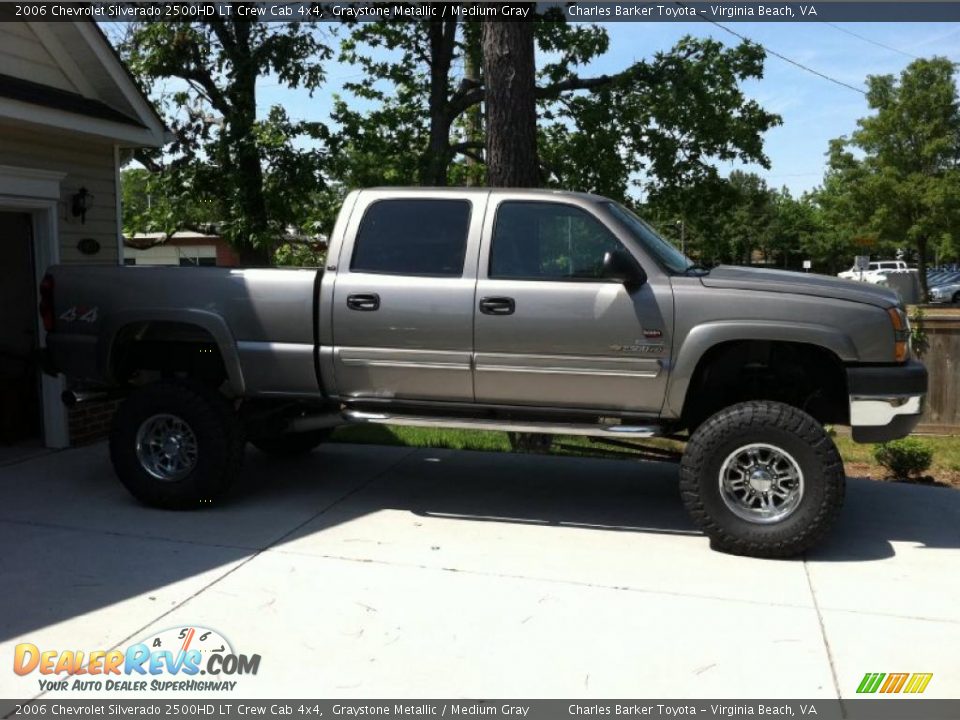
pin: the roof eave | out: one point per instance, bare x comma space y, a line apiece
122, 134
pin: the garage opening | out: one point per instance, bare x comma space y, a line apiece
20, 399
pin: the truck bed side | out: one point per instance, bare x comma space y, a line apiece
260, 321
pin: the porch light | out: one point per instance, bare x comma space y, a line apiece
81, 202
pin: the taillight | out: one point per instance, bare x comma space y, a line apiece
46, 302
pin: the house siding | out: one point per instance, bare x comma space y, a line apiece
87, 163
22, 55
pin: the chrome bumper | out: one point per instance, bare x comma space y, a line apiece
879, 418
886, 402
872, 410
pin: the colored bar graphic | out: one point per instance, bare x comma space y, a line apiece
894, 683
913, 683
918, 682
870, 682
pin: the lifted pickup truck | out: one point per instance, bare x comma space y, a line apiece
519, 310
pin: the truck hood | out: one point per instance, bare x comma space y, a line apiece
783, 281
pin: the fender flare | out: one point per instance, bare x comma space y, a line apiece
208, 321
702, 338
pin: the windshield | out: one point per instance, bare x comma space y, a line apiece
661, 250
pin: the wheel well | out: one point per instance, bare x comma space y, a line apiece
808, 377
160, 349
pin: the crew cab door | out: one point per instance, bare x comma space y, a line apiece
403, 296
550, 329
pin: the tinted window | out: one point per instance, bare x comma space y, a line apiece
548, 241
665, 253
413, 237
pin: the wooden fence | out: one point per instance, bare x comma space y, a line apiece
942, 358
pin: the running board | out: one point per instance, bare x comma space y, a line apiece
523, 426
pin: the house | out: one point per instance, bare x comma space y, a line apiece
187, 248
68, 110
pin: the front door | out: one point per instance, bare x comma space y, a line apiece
19, 379
403, 297
551, 330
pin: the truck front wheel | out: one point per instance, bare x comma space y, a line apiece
762, 479
176, 446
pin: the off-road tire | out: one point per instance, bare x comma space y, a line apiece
291, 444
781, 426
219, 441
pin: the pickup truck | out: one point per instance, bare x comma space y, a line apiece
529, 311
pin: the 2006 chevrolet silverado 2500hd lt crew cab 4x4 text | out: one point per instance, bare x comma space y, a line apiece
520, 310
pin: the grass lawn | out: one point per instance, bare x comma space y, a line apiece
858, 459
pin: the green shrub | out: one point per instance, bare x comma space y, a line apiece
904, 458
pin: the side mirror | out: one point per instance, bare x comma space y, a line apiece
618, 265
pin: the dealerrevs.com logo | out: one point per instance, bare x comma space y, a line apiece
184, 658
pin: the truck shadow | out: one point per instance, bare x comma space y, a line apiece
79, 543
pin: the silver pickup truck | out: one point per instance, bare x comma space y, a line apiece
533, 312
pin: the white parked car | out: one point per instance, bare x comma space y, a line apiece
874, 269
875, 273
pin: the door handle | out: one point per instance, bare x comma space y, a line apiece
366, 302
497, 306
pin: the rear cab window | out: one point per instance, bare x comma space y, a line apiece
418, 237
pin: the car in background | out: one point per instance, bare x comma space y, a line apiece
874, 272
949, 293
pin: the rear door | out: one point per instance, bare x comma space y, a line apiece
403, 296
551, 331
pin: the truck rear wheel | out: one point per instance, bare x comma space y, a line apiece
762, 479
176, 446
291, 444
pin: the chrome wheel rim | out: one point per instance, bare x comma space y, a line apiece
166, 447
761, 483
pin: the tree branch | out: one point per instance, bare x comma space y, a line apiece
468, 153
468, 145
577, 83
146, 158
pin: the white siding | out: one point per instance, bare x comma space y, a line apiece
22, 55
88, 163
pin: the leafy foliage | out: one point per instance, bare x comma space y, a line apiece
661, 124
240, 166
904, 458
152, 204
657, 123
895, 182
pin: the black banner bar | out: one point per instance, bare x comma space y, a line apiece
588, 12
220, 707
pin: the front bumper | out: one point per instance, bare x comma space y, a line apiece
886, 402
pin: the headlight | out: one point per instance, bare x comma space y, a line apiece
901, 333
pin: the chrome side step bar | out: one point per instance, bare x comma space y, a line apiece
525, 426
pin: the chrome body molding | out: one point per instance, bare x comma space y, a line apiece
465, 423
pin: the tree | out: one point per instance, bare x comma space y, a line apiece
657, 122
223, 151
904, 183
151, 204
510, 94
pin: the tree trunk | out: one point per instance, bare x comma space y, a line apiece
256, 246
509, 73
434, 163
473, 120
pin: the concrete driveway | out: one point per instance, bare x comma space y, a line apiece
365, 571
